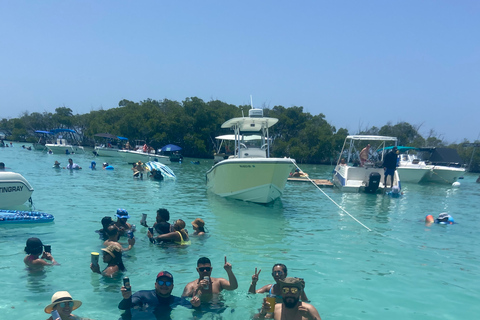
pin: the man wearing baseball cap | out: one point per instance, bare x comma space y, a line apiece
158, 301
291, 307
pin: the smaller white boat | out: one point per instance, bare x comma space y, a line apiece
440, 165
111, 145
40, 145
350, 176
61, 145
14, 189
142, 153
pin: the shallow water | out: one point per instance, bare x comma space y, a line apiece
399, 270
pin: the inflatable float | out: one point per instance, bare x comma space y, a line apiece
166, 172
15, 216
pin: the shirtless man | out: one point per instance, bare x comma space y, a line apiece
199, 288
112, 232
291, 308
364, 155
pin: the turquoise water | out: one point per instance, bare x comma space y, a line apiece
399, 270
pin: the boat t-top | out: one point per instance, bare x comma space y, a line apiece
62, 145
351, 176
250, 174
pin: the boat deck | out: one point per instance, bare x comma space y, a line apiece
319, 182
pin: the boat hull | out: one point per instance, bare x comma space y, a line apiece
355, 179
412, 174
443, 174
14, 189
62, 148
107, 152
135, 156
255, 180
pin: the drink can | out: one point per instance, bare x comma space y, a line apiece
144, 219
206, 286
130, 234
94, 257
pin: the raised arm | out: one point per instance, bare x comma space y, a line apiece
253, 284
232, 283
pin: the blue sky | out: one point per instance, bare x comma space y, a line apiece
360, 63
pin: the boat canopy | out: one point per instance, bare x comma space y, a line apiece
372, 138
122, 138
231, 137
55, 131
399, 148
41, 131
249, 124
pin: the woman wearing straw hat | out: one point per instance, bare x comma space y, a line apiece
198, 227
63, 303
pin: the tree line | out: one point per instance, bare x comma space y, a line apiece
193, 124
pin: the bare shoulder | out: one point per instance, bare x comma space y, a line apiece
265, 288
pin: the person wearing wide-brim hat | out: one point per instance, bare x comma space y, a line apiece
121, 223
112, 255
63, 302
291, 306
198, 227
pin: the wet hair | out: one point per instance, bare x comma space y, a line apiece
119, 261
112, 230
180, 224
34, 246
281, 265
2, 165
203, 260
106, 221
164, 214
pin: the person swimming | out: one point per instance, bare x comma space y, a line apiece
443, 218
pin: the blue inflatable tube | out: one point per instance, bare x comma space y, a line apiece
15, 216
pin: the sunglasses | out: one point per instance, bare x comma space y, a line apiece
291, 289
167, 283
65, 304
203, 269
277, 272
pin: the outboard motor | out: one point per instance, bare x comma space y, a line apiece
373, 182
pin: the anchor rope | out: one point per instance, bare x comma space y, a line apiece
329, 198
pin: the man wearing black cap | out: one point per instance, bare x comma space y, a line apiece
390, 165
291, 307
158, 301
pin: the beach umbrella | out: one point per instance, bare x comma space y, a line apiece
170, 147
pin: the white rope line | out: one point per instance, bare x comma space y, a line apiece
326, 195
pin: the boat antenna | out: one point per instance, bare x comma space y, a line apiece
251, 101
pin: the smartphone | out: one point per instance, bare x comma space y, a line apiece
126, 283
47, 248
55, 315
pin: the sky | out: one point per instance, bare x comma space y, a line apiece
359, 63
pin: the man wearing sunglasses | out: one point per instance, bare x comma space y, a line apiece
205, 287
291, 307
158, 301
